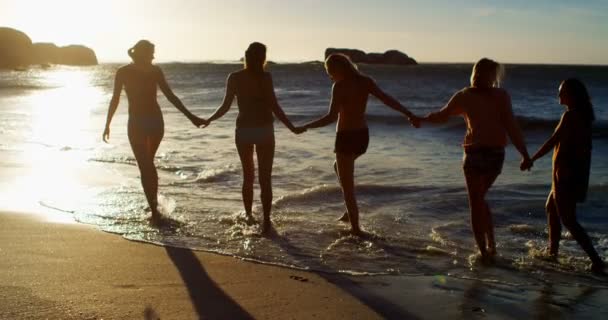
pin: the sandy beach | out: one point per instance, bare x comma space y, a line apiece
59, 270
72, 271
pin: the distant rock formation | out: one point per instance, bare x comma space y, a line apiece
74, 55
18, 51
394, 57
15, 48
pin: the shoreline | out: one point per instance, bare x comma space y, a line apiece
76, 271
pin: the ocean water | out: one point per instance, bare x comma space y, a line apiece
410, 185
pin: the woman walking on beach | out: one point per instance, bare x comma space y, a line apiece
571, 142
489, 117
140, 80
257, 103
350, 93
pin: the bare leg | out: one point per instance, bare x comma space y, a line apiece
566, 208
346, 170
477, 206
490, 241
144, 148
489, 229
344, 217
246, 155
555, 226
265, 154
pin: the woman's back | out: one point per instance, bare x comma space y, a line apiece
352, 95
254, 97
486, 112
141, 87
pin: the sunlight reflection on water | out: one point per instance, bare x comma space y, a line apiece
59, 139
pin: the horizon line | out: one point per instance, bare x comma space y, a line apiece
219, 61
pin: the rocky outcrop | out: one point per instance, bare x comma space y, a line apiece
18, 51
393, 57
48, 53
45, 53
15, 48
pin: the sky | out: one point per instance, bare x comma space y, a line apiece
513, 31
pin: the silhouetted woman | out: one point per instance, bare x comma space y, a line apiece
350, 93
571, 142
140, 80
254, 90
488, 114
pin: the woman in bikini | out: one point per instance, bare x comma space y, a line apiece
140, 80
350, 93
571, 142
488, 114
258, 105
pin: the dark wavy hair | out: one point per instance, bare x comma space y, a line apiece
255, 57
577, 91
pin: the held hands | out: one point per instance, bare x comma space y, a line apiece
526, 164
414, 120
199, 122
299, 130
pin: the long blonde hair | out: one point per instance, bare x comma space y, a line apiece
343, 63
487, 73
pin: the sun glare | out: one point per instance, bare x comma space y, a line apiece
62, 22
61, 115
60, 136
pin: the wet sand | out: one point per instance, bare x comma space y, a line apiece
59, 270
73, 271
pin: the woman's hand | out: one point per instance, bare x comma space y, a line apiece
106, 134
299, 130
198, 122
526, 164
414, 120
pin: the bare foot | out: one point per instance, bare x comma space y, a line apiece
549, 255
598, 269
491, 251
155, 220
266, 227
358, 233
247, 218
344, 218
487, 258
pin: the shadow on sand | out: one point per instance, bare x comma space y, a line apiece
209, 300
380, 305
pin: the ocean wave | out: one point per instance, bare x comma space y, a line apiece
211, 175
24, 87
326, 192
371, 118
119, 160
